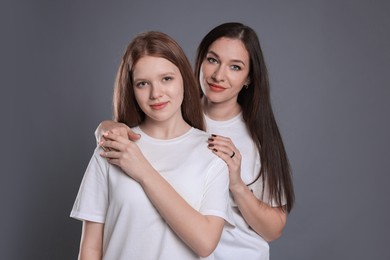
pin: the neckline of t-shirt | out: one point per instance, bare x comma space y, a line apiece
145, 136
224, 122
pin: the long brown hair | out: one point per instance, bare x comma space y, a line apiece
157, 44
257, 111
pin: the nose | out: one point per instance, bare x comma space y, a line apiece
155, 91
218, 74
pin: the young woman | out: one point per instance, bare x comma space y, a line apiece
237, 108
165, 196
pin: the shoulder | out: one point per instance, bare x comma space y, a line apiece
96, 154
199, 145
195, 135
97, 162
198, 132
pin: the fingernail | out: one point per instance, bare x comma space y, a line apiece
215, 150
211, 140
210, 145
213, 135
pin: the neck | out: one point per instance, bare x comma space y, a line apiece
164, 130
220, 111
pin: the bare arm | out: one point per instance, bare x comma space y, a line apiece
200, 232
91, 241
265, 220
116, 128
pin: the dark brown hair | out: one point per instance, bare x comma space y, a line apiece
157, 44
257, 111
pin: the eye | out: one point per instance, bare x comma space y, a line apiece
211, 60
141, 84
235, 67
167, 78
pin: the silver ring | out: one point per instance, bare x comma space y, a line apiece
234, 153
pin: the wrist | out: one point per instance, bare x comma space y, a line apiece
148, 177
237, 187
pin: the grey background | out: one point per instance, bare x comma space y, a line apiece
329, 66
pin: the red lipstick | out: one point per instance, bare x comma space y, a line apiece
216, 88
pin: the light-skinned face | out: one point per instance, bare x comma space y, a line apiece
158, 89
224, 71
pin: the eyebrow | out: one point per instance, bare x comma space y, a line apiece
170, 73
234, 60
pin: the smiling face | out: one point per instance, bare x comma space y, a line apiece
158, 89
224, 70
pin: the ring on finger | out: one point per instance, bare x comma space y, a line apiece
234, 153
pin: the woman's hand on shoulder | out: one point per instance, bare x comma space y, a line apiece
224, 148
115, 128
124, 153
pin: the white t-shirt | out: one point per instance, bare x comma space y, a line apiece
133, 229
241, 242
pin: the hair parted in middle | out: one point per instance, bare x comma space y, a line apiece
156, 44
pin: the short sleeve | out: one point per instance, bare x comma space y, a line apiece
92, 199
216, 196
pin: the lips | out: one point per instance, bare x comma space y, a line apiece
159, 105
216, 88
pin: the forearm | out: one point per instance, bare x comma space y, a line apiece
87, 254
91, 241
201, 233
265, 220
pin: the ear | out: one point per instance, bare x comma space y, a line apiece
248, 81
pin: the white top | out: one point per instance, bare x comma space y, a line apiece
241, 242
133, 229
